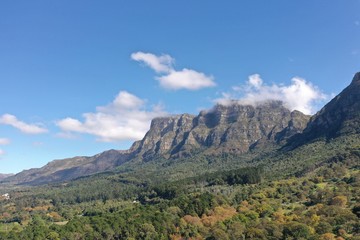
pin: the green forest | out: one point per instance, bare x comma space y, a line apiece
244, 203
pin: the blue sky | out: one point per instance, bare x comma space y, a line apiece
81, 77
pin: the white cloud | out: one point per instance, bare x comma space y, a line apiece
123, 119
4, 141
160, 64
187, 79
2, 152
169, 77
255, 81
299, 95
11, 120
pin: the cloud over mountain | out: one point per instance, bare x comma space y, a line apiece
299, 95
169, 77
125, 118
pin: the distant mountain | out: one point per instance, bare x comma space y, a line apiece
233, 129
341, 116
3, 176
70, 168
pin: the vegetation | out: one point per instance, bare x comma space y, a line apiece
307, 189
311, 192
236, 204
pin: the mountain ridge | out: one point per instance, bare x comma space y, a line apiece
234, 129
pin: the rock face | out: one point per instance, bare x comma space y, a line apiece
341, 116
234, 129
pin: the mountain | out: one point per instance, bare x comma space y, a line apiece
341, 116
70, 168
3, 176
233, 172
232, 129
235, 129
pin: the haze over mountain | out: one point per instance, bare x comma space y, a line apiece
234, 128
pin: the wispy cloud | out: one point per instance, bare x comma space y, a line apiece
4, 141
169, 77
2, 152
160, 64
8, 119
299, 95
126, 118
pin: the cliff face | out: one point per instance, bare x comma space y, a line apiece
235, 128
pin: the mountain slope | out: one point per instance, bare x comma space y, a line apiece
232, 129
